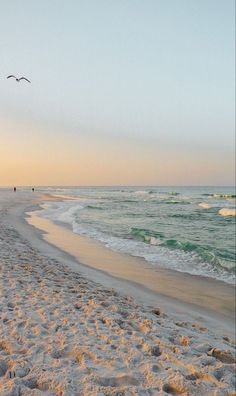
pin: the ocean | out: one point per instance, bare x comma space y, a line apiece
187, 229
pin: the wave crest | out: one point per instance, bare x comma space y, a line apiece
227, 212
148, 236
213, 195
204, 205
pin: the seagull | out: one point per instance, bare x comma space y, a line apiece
19, 79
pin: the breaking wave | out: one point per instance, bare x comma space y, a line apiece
227, 212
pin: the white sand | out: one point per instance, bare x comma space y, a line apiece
63, 334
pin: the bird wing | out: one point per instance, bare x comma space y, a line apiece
11, 76
23, 78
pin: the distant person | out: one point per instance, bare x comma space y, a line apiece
14, 188
33, 189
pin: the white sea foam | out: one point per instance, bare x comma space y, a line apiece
225, 196
227, 212
141, 192
177, 260
204, 205
63, 196
154, 241
61, 211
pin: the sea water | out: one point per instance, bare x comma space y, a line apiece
187, 229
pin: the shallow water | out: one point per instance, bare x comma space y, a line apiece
189, 229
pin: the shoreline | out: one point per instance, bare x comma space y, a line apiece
177, 288
70, 329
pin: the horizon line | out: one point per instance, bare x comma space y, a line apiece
114, 185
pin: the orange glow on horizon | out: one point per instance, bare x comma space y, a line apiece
35, 157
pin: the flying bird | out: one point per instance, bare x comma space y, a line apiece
19, 79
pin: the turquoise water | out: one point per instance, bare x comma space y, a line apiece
189, 229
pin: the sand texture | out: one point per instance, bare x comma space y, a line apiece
63, 334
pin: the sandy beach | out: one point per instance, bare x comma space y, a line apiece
67, 329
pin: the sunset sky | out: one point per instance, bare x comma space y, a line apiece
123, 92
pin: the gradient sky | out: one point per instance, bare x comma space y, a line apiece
124, 92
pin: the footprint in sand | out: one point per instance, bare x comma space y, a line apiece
155, 351
3, 368
123, 380
40, 385
18, 371
223, 356
173, 389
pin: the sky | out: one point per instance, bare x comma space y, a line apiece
123, 92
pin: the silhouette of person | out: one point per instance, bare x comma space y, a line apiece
14, 188
33, 189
